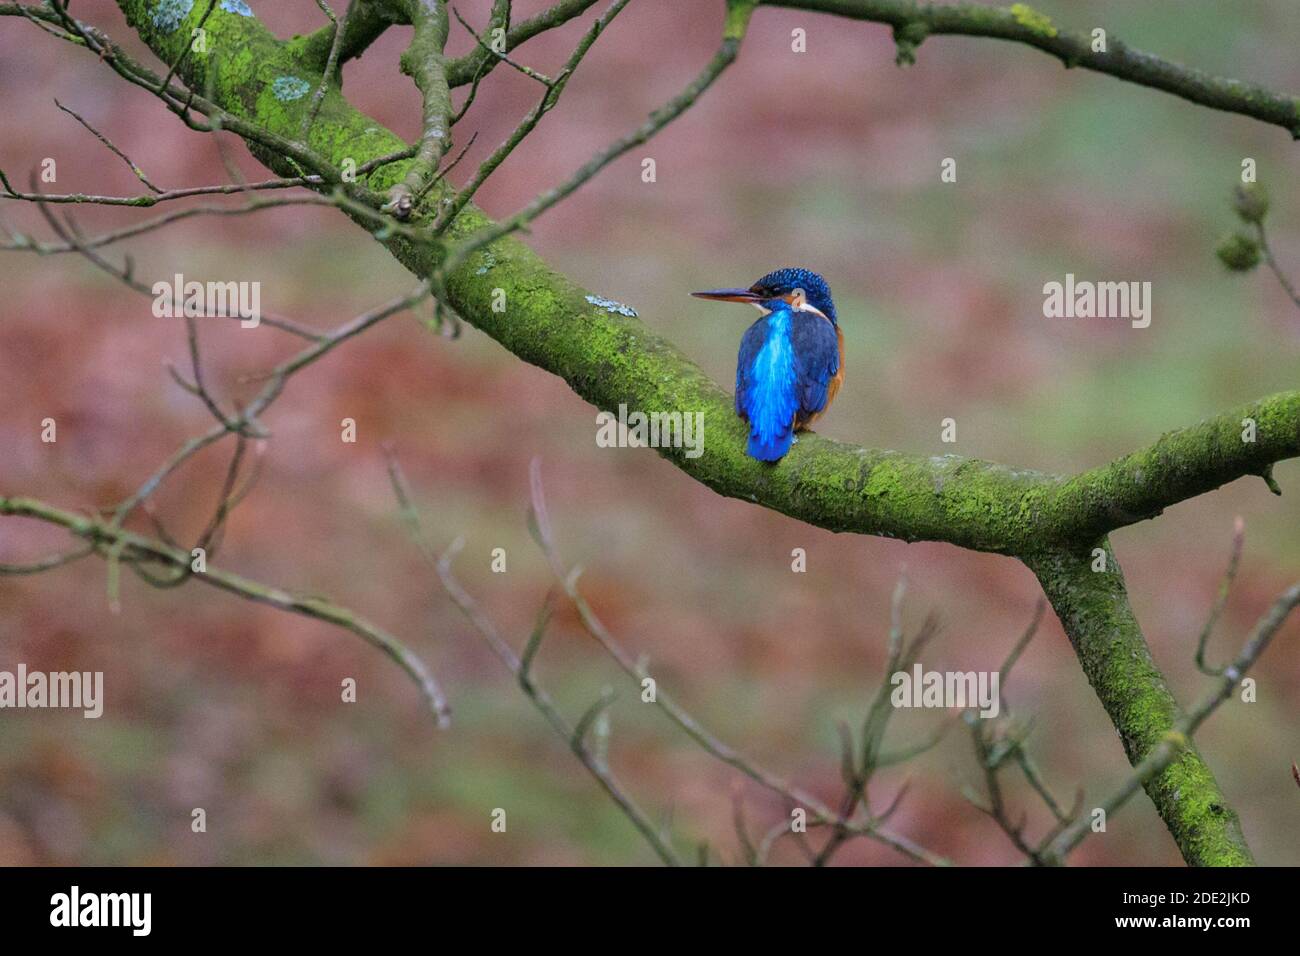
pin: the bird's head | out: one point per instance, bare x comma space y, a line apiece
799, 289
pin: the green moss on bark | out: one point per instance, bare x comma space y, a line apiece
1094, 609
1032, 20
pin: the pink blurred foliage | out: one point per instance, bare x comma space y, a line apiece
229, 705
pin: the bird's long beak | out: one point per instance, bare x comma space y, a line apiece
728, 295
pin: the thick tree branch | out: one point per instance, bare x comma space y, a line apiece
480, 62
913, 22
364, 24
1094, 609
1182, 464
425, 63
1217, 823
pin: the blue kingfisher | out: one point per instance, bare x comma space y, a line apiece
791, 361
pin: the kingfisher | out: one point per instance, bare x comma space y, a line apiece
791, 361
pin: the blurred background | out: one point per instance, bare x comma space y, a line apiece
828, 159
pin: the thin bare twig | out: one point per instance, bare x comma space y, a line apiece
107, 539
638, 669
1178, 739
1221, 599
502, 56
1270, 260
660, 118
573, 735
111, 146
551, 96
159, 195
331, 64
22, 243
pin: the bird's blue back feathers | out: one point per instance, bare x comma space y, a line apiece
818, 347
766, 394
786, 362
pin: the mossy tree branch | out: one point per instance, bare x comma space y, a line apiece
609, 357
479, 62
1094, 610
375, 16
912, 22
424, 61
365, 23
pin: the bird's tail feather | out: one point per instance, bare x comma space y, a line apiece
769, 447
